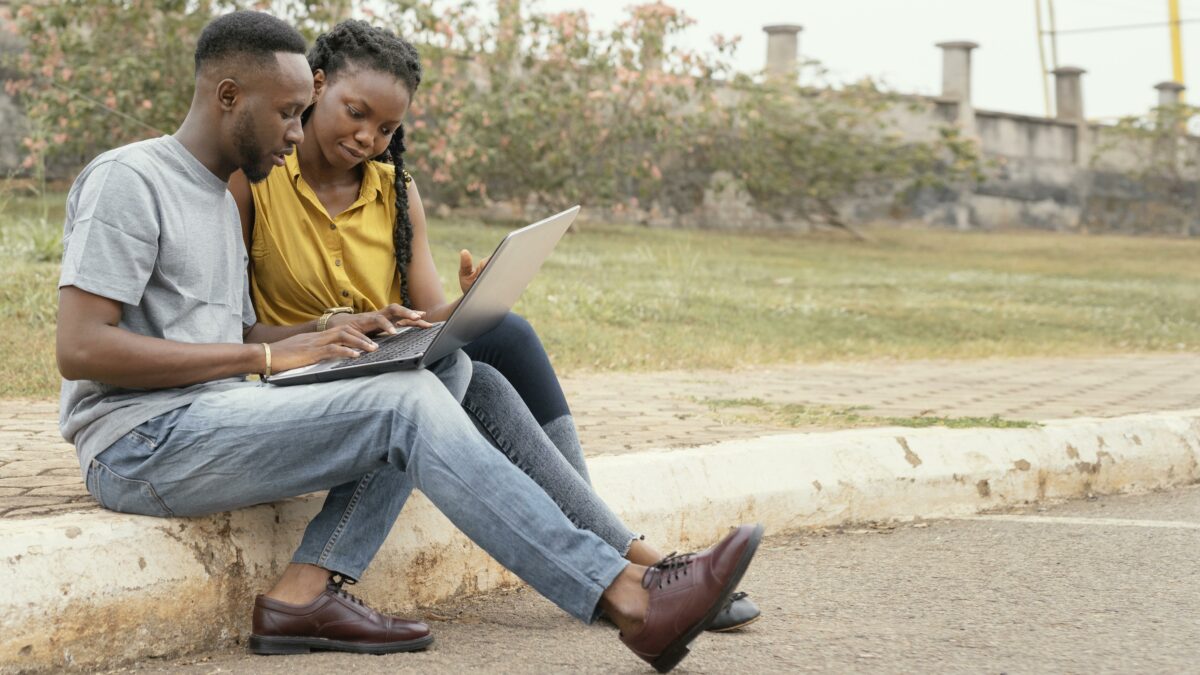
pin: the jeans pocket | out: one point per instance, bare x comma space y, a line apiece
124, 495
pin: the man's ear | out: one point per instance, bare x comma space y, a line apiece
318, 83
228, 94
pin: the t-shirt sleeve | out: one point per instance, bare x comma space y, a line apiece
110, 244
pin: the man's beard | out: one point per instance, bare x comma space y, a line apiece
250, 153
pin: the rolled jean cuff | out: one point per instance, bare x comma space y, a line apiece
633, 536
605, 580
345, 568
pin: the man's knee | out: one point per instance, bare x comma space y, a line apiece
408, 389
454, 371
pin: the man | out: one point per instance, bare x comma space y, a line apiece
156, 333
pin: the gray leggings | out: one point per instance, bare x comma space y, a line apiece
503, 418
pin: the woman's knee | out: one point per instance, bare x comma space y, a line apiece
486, 383
517, 331
491, 397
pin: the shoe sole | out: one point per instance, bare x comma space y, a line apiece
269, 645
736, 626
674, 653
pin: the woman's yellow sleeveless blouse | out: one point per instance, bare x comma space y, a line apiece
304, 261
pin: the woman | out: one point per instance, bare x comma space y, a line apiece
338, 236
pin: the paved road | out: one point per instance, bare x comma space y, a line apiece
1104, 586
629, 412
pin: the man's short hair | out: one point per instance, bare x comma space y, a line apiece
256, 36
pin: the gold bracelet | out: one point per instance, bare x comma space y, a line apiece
323, 322
267, 351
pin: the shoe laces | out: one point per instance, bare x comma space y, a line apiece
335, 585
738, 595
669, 569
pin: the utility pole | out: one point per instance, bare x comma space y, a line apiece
1037, 8
1176, 45
1053, 36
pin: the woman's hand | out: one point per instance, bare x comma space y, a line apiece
308, 348
467, 271
383, 321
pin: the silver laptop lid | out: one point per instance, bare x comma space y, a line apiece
512, 266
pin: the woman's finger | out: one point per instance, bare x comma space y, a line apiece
398, 312
382, 323
416, 323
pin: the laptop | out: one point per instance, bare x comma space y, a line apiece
512, 266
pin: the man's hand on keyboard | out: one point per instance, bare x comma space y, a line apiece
384, 321
340, 342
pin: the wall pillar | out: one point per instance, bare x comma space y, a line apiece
1172, 145
1169, 93
1068, 101
1068, 93
956, 80
783, 50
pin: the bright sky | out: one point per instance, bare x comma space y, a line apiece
894, 39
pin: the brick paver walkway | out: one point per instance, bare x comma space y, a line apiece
626, 412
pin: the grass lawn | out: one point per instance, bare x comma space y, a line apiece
631, 298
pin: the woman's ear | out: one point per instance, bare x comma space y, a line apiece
318, 84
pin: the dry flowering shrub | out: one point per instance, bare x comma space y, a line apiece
562, 112
804, 150
99, 73
84, 58
540, 108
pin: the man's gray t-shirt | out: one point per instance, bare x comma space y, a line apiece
151, 227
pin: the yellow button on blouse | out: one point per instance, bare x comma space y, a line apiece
304, 261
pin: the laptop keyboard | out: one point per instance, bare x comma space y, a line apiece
411, 341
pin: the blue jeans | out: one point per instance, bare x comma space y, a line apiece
505, 420
515, 351
368, 440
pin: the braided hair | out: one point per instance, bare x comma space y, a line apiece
357, 43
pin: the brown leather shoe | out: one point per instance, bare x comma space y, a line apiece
686, 593
334, 621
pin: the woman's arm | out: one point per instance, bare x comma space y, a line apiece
239, 187
424, 285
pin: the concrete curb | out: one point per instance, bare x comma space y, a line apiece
99, 588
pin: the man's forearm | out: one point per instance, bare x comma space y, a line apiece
122, 358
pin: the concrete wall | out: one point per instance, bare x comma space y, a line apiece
1059, 173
